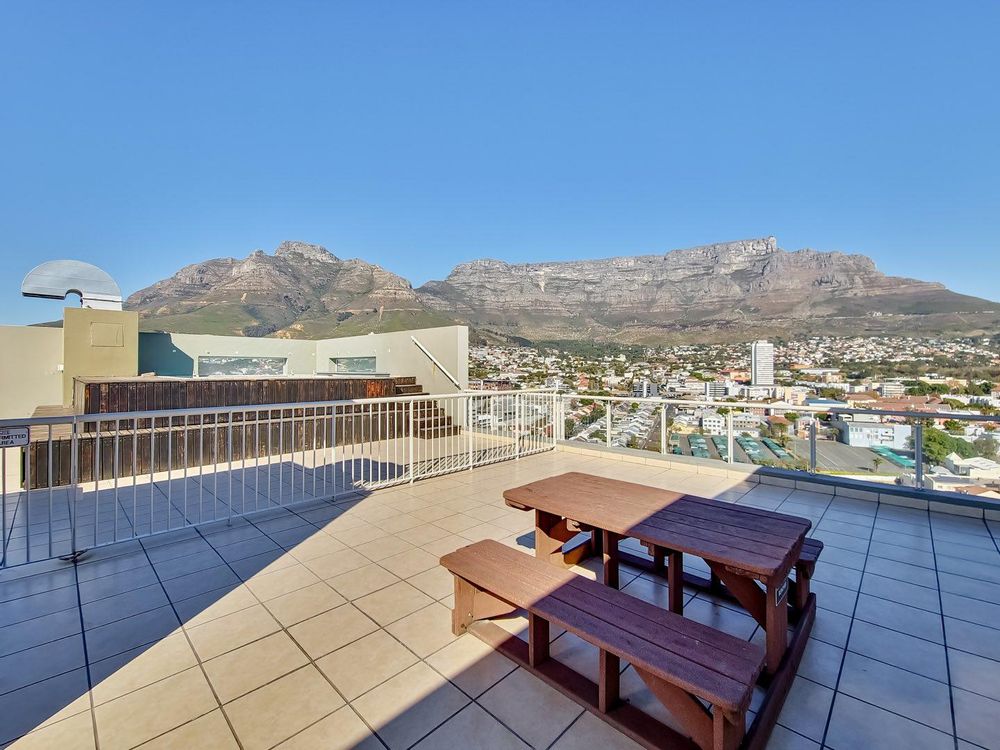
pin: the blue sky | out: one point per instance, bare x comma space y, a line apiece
145, 136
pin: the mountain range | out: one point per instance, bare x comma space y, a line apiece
722, 292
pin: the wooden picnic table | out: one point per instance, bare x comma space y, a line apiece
741, 545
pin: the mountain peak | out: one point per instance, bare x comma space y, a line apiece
290, 248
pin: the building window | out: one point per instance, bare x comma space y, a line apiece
352, 364
216, 366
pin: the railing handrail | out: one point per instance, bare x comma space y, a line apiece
240, 408
434, 359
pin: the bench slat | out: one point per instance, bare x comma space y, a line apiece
670, 648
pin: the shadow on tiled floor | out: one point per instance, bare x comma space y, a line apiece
327, 625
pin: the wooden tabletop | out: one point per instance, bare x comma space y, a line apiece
757, 541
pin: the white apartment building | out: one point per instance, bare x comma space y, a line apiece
867, 434
713, 423
762, 363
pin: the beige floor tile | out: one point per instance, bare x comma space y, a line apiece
153, 710
408, 563
282, 708
328, 566
208, 731
300, 605
424, 631
408, 706
390, 604
74, 733
471, 664
314, 546
446, 544
341, 730
369, 661
423, 534
167, 657
281, 582
247, 668
238, 599
360, 534
232, 631
437, 582
331, 630
383, 548
457, 523
399, 522
537, 712
471, 727
363, 581
590, 732
485, 531
432, 513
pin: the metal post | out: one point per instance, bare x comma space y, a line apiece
517, 425
918, 454
731, 457
663, 430
608, 418
468, 427
73, 478
812, 446
413, 463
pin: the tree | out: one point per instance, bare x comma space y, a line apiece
954, 426
986, 446
876, 462
792, 416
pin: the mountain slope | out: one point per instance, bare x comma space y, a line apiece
731, 290
727, 291
302, 291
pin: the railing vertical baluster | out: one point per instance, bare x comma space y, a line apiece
812, 446
229, 470
97, 479
918, 455
412, 427
50, 482
663, 430
730, 438
609, 421
74, 480
170, 465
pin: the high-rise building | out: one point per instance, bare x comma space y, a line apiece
762, 363
644, 389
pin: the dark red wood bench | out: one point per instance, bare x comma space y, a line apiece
704, 677
805, 566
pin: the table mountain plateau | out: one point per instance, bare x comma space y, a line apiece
721, 292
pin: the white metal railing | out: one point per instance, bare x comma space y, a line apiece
645, 424
91, 480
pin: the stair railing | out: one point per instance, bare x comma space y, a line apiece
434, 359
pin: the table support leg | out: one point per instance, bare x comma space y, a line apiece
776, 614
675, 581
547, 545
610, 557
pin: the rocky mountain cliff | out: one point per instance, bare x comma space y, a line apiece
727, 291
302, 291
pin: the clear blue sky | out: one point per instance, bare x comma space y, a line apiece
143, 136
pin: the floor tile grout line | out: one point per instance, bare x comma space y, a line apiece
86, 661
947, 656
310, 661
198, 659
847, 641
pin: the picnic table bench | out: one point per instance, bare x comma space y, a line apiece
750, 552
685, 664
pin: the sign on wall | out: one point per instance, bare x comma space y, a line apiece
13, 437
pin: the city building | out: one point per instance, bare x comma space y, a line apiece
714, 389
869, 434
762, 363
644, 389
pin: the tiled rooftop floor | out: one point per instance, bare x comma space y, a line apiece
327, 625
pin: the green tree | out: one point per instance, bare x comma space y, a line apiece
954, 426
986, 446
876, 462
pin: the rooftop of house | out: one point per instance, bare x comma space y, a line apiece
326, 624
